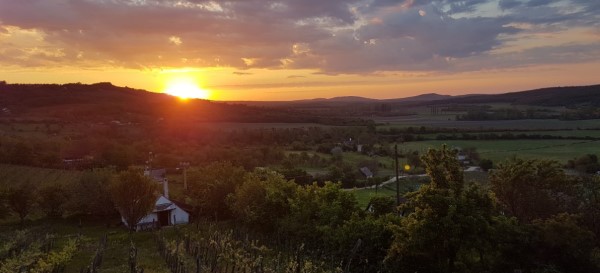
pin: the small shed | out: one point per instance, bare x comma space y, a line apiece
166, 213
366, 172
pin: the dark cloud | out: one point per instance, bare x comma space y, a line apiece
332, 37
241, 73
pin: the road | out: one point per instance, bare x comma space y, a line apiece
393, 179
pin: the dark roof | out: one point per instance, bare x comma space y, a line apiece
158, 174
183, 206
162, 207
366, 172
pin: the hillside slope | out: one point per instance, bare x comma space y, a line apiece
552, 96
106, 102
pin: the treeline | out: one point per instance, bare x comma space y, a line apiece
87, 195
444, 130
532, 218
508, 136
445, 226
484, 113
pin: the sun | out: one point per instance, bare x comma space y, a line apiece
186, 89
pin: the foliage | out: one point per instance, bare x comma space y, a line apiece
3, 203
90, 194
52, 199
262, 200
585, 164
55, 259
448, 224
531, 189
486, 164
562, 243
343, 172
134, 195
381, 205
210, 185
316, 211
588, 194
20, 199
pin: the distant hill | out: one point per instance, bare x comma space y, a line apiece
423, 97
552, 96
104, 102
349, 99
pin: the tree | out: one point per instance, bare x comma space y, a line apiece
52, 199
449, 225
315, 211
585, 164
588, 193
562, 244
134, 195
3, 205
91, 195
210, 185
381, 205
486, 164
531, 189
262, 200
20, 199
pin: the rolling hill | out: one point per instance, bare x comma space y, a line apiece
102, 102
552, 96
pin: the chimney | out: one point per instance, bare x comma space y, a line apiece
166, 188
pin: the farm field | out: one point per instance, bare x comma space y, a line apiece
450, 122
15, 174
211, 246
500, 150
559, 133
258, 125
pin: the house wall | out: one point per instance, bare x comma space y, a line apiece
178, 215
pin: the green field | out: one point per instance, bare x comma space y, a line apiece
561, 133
14, 174
500, 150
447, 121
363, 196
406, 185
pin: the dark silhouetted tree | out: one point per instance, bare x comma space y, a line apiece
134, 195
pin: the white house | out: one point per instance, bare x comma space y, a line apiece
165, 213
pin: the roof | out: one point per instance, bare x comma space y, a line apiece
183, 206
366, 172
158, 174
163, 207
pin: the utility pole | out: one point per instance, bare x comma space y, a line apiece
397, 175
185, 165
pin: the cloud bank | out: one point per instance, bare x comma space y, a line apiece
331, 37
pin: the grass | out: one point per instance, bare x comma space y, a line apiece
447, 121
257, 125
15, 174
116, 254
363, 196
500, 150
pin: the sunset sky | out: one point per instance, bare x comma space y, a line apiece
296, 49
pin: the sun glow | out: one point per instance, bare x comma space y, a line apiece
186, 89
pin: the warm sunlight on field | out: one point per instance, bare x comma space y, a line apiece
186, 89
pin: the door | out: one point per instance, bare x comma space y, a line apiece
163, 218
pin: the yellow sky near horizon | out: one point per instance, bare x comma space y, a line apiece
274, 85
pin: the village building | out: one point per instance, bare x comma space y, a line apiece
166, 212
